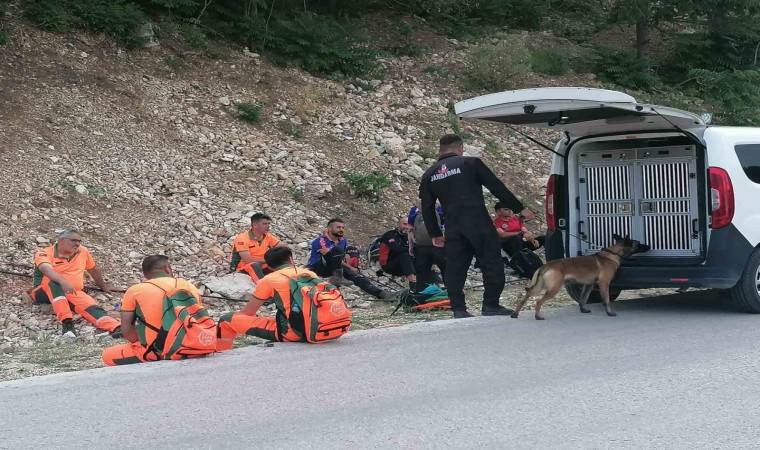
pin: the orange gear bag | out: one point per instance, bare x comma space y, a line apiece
187, 330
317, 309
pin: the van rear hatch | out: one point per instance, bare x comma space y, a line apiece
648, 190
577, 111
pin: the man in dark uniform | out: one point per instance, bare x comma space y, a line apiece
458, 181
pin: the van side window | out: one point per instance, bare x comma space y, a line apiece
749, 157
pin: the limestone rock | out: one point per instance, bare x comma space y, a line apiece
234, 285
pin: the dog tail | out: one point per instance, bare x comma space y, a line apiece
534, 280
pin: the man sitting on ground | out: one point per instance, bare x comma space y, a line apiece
426, 255
274, 286
59, 280
142, 314
513, 233
329, 259
249, 247
395, 256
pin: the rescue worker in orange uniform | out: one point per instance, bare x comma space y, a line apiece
249, 247
143, 303
274, 286
59, 280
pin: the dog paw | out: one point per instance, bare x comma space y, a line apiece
611, 314
514, 316
539, 318
585, 310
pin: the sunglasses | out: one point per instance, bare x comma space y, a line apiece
76, 241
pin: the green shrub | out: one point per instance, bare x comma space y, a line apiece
369, 185
492, 148
290, 128
736, 92
549, 61
174, 63
623, 68
405, 45
316, 44
116, 18
498, 67
3, 36
248, 112
193, 35
438, 71
455, 16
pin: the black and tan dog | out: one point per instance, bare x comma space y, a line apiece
599, 268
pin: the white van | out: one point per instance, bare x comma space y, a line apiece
661, 175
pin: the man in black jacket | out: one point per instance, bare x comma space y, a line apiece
458, 181
395, 257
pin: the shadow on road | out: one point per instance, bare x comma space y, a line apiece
707, 300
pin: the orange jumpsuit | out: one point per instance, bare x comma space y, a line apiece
72, 270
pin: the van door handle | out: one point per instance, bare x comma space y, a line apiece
695, 228
581, 234
647, 207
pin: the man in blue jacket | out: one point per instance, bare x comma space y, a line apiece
328, 260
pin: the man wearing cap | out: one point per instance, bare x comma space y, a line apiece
458, 181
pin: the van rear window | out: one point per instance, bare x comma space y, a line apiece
749, 157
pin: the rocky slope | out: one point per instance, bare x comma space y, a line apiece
144, 153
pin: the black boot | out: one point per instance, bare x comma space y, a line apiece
413, 287
338, 280
68, 325
462, 315
496, 311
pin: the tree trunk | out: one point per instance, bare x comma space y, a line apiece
644, 41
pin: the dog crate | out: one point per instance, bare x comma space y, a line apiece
646, 193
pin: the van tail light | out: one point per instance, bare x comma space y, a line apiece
551, 216
721, 198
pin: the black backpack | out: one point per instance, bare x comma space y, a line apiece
526, 263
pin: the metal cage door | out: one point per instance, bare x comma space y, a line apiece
668, 207
606, 203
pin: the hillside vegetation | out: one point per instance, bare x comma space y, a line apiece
159, 126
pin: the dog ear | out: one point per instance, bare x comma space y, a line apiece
616, 237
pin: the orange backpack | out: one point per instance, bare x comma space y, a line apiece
187, 330
321, 306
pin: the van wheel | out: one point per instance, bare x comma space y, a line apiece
574, 291
746, 293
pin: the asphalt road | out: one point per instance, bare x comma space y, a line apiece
671, 372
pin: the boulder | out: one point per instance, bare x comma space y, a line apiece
234, 285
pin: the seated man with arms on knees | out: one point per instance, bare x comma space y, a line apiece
59, 280
249, 247
276, 286
329, 259
513, 233
395, 258
144, 309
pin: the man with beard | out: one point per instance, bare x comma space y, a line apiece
328, 259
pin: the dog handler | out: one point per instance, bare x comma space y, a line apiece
458, 181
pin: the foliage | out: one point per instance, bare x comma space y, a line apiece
290, 128
737, 92
369, 185
248, 112
500, 66
549, 61
453, 122
117, 18
492, 148
3, 35
455, 15
623, 68
405, 45
317, 44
